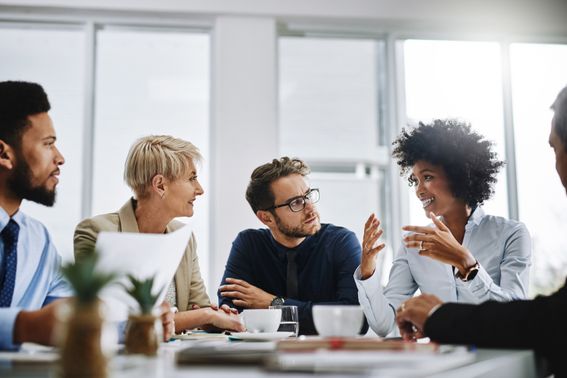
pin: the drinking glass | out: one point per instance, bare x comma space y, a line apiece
290, 319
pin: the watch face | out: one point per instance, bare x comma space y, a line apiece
277, 302
472, 274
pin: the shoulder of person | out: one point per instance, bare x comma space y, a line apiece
35, 226
250, 237
254, 233
331, 229
102, 222
504, 224
336, 233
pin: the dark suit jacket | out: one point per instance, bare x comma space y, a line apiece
539, 324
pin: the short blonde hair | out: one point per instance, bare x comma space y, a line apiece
157, 154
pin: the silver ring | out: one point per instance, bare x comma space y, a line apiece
421, 245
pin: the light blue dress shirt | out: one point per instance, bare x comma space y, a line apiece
38, 277
502, 248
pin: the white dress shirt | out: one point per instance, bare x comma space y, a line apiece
502, 248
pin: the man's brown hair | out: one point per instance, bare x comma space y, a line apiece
259, 192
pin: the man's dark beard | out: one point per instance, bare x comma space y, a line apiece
20, 184
291, 232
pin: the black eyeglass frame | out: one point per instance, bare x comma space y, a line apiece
304, 198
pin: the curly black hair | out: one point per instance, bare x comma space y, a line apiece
466, 157
18, 100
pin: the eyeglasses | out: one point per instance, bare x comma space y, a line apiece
297, 204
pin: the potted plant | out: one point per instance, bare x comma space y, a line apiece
141, 334
81, 353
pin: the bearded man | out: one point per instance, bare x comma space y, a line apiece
29, 264
296, 261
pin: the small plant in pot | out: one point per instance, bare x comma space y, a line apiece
141, 333
81, 352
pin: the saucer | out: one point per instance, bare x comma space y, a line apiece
260, 336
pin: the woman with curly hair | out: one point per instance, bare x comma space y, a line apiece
465, 255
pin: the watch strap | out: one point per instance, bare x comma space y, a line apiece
470, 273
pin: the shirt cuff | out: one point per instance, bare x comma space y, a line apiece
371, 284
480, 285
7, 321
435, 308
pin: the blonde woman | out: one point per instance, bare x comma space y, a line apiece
161, 172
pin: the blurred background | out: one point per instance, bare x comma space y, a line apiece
329, 81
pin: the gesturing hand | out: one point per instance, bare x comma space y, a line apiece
370, 250
413, 313
439, 244
245, 295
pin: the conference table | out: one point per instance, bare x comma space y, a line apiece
459, 362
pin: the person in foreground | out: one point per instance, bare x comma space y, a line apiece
295, 261
29, 263
465, 255
161, 172
537, 324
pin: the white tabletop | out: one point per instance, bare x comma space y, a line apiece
482, 362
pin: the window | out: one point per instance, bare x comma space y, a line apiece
150, 82
328, 106
455, 79
538, 74
53, 58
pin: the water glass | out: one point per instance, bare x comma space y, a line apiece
290, 319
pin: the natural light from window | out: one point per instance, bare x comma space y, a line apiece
455, 79
538, 74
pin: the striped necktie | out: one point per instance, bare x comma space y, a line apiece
9, 263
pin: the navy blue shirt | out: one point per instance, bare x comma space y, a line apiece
326, 262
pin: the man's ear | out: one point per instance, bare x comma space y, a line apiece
159, 185
265, 217
7, 155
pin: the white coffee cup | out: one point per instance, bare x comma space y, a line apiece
338, 320
262, 320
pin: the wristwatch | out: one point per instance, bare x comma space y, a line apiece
470, 273
277, 301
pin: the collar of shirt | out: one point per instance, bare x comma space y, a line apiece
19, 218
476, 218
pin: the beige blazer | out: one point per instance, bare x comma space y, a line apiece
189, 284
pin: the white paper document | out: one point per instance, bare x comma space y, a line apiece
142, 256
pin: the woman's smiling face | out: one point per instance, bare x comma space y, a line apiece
433, 188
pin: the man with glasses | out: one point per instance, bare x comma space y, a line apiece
295, 261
